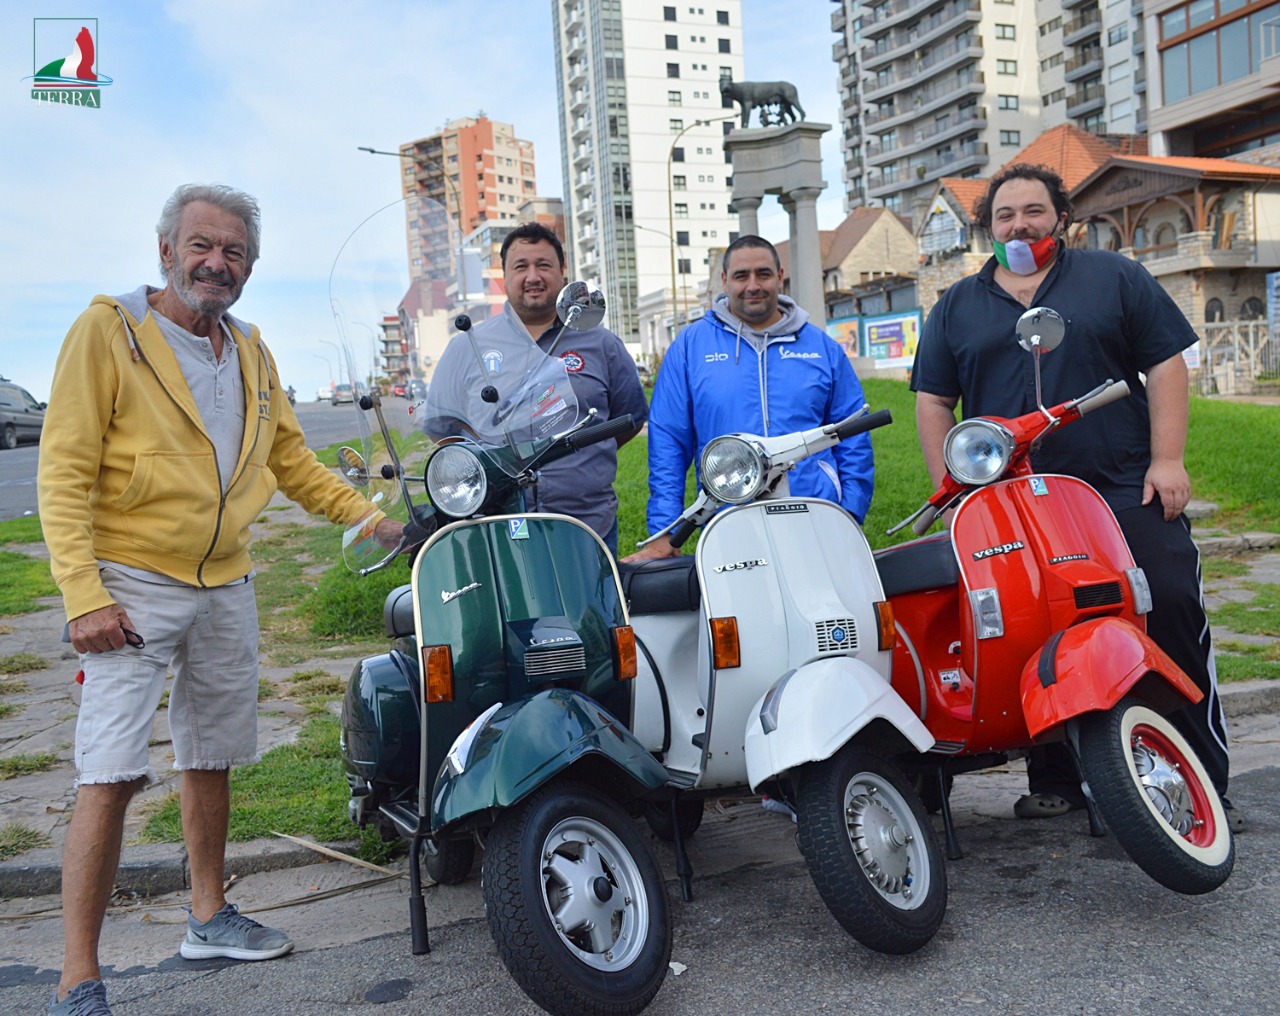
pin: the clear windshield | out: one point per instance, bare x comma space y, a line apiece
396, 288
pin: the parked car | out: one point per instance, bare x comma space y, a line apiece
400, 389
21, 416
341, 393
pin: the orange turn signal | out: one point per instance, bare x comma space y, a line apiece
437, 666
624, 647
887, 634
725, 652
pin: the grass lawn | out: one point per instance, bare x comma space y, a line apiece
307, 611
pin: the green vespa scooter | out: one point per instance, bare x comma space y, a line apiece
509, 683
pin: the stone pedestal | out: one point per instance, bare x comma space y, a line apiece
786, 161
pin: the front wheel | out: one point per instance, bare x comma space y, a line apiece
871, 851
575, 903
1154, 794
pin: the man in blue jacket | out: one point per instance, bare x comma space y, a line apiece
755, 365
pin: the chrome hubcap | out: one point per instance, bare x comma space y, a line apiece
880, 843
1165, 787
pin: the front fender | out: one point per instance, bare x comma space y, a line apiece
526, 743
815, 710
1090, 667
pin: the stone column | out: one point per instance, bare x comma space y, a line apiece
748, 220
806, 254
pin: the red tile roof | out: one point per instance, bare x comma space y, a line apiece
1070, 152
1204, 167
967, 191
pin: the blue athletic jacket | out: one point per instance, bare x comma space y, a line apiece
714, 381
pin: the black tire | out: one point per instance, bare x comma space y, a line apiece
548, 864
926, 785
689, 812
449, 861
871, 851
10, 436
1154, 794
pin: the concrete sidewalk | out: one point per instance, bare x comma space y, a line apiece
45, 722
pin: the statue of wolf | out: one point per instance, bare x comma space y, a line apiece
761, 95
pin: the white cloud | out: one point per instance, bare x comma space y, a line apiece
275, 98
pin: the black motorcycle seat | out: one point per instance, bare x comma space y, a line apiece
665, 586
397, 612
928, 563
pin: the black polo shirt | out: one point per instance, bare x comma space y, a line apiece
1120, 321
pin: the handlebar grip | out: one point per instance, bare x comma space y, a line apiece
1115, 393
681, 532
602, 432
862, 424
921, 525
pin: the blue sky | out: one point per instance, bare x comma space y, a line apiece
274, 98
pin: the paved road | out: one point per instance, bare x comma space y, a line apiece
323, 424
1042, 919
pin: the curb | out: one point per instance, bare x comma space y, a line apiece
153, 870
1227, 546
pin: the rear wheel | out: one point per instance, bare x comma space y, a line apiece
449, 861
871, 851
10, 436
689, 813
575, 903
1155, 795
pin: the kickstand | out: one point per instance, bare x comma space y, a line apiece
954, 853
417, 907
683, 868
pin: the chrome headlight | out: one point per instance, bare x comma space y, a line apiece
456, 482
977, 451
733, 470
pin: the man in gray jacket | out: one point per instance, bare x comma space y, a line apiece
600, 369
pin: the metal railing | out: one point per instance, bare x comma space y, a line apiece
1236, 358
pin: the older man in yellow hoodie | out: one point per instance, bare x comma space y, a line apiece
167, 433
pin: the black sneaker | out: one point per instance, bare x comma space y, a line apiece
1234, 818
230, 934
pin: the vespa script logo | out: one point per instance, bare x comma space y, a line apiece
1004, 548
787, 354
742, 565
446, 597
62, 78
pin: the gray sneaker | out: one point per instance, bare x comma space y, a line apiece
231, 935
88, 998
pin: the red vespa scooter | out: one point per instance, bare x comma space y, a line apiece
1024, 625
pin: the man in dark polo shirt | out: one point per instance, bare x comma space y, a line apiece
1120, 324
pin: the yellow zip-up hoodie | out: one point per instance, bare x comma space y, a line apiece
128, 472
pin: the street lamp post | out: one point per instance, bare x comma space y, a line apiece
457, 201
328, 366
671, 210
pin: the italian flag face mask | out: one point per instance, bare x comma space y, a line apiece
1024, 258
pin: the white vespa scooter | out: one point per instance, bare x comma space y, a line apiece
765, 661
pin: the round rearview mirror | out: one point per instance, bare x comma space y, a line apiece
354, 471
1041, 328
580, 307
